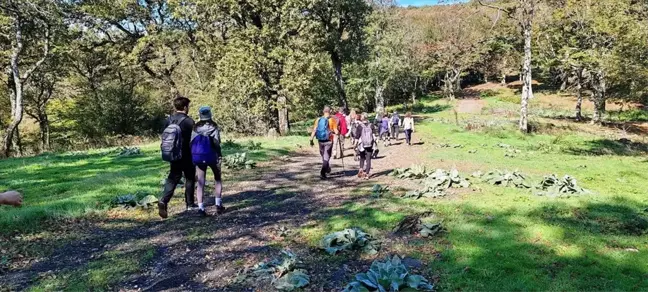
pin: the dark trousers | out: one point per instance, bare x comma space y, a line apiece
408, 136
365, 160
325, 148
175, 175
394, 132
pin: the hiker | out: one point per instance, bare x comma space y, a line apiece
338, 141
176, 149
11, 198
384, 130
365, 146
206, 152
351, 124
408, 126
394, 125
325, 130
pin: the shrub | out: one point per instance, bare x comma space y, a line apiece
238, 161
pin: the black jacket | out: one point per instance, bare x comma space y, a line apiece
186, 127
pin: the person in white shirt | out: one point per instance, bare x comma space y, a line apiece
408, 126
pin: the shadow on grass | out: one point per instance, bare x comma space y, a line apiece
622, 147
496, 251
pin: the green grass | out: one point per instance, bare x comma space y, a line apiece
497, 239
76, 184
505, 239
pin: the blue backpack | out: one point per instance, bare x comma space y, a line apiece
202, 152
322, 133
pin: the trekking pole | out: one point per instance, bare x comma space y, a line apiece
341, 155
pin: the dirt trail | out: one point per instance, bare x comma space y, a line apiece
205, 254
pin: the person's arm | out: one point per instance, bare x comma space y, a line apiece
12, 198
312, 137
217, 142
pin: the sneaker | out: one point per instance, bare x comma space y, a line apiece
192, 207
202, 213
220, 210
162, 210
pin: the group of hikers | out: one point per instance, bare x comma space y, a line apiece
191, 148
331, 131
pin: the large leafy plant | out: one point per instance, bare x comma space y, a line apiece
552, 186
443, 179
420, 224
137, 199
388, 275
378, 191
513, 179
414, 172
285, 272
238, 161
128, 151
349, 239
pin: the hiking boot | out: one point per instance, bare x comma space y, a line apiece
162, 210
220, 210
202, 213
192, 207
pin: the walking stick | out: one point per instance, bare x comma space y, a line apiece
340, 137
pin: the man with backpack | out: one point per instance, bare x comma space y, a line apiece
176, 149
365, 146
325, 130
395, 125
338, 143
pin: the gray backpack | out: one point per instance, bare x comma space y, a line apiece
366, 136
171, 145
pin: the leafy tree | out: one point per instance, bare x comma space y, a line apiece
523, 12
338, 30
458, 40
28, 28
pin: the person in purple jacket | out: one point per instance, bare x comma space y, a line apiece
384, 129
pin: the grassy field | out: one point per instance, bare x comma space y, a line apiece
497, 239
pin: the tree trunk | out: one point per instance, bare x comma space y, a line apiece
579, 88
599, 97
339, 79
414, 90
379, 97
43, 124
16, 110
527, 78
284, 124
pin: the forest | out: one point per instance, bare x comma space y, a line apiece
97, 73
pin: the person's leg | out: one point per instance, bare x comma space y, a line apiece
218, 186
336, 146
327, 156
218, 189
322, 149
367, 170
200, 185
363, 155
175, 175
341, 142
190, 184
408, 134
